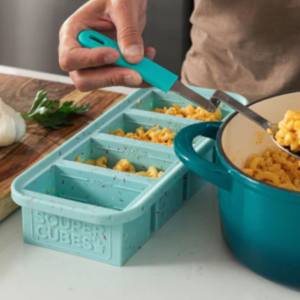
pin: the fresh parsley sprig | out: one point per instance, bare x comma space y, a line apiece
50, 113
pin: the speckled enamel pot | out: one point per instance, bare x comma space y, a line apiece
260, 223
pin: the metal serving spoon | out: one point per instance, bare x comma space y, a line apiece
271, 128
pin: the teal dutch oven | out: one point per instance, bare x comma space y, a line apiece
260, 223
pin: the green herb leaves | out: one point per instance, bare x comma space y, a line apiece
50, 113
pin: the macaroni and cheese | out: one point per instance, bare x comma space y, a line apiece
122, 165
275, 167
289, 131
191, 112
162, 136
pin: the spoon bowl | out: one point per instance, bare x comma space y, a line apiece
271, 128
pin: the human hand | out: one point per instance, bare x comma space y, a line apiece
122, 20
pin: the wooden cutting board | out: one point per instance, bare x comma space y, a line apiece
38, 142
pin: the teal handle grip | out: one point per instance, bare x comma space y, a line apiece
151, 72
212, 172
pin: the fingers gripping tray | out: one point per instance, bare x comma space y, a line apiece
102, 213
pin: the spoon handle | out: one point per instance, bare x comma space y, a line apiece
151, 72
244, 110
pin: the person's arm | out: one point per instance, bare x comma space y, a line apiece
123, 20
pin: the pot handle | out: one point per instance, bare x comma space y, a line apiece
214, 173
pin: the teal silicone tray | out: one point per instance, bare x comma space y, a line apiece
100, 213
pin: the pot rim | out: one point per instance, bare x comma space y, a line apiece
221, 151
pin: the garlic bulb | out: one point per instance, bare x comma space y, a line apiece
12, 125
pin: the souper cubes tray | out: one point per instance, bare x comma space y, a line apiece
101, 213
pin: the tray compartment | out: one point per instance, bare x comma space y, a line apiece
113, 244
141, 155
156, 99
133, 119
88, 187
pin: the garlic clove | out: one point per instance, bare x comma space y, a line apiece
12, 125
4, 108
20, 127
7, 130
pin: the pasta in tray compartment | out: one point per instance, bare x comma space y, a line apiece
191, 112
122, 165
275, 167
289, 131
154, 135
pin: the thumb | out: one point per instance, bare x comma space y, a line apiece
129, 36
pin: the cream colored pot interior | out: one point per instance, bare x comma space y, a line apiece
242, 138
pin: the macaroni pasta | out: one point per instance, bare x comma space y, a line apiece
122, 165
191, 112
289, 131
162, 136
275, 167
